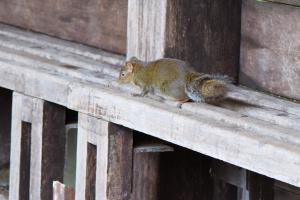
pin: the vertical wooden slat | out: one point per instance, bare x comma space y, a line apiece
16, 133
146, 28
25, 161
119, 176
81, 159
53, 147
146, 176
91, 172
47, 146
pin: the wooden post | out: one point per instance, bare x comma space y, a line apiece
113, 146
146, 169
38, 134
204, 33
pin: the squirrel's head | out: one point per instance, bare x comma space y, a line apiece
128, 70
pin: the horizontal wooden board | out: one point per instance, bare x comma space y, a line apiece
270, 48
222, 133
100, 23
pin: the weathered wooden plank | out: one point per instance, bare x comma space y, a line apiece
25, 161
146, 175
61, 58
90, 192
16, 130
53, 147
190, 129
146, 29
283, 2
5, 127
205, 33
90, 125
100, 23
270, 56
43, 41
81, 161
120, 162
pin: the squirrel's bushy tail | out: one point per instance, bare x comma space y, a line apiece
207, 88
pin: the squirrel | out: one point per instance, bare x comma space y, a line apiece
173, 79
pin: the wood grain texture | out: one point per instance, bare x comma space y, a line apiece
205, 33
113, 165
100, 23
88, 125
120, 163
46, 147
270, 48
90, 191
203, 128
284, 2
146, 29
5, 127
16, 130
53, 147
146, 176
25, 161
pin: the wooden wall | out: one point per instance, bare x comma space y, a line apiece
205, 33
270, 48
100, 23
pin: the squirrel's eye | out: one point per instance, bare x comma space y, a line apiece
123, 74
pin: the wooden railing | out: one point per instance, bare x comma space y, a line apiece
251, 130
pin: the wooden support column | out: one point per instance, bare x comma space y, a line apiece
38, 141
204, 33
112, 145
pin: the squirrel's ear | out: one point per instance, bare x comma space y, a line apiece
129, 67
134, 59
